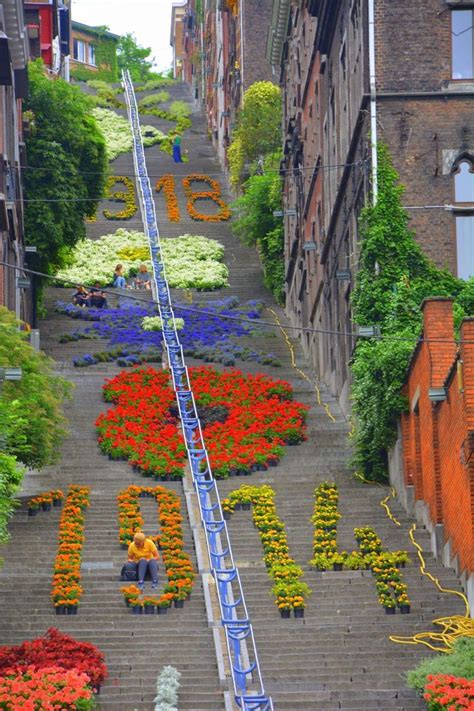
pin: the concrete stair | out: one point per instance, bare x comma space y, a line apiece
339, 656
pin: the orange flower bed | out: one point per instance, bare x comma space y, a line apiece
167, 184
178, 565
214, 194
67, 592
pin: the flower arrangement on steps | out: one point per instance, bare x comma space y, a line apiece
117, 134
47, 688
250, 420
170, 540
167, 688
213, 194
127, 196
191, 261
58, 650
66, 590
449, 692
207, 334
44, 501
385, 566
289, 591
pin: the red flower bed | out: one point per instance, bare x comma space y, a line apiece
261, 419
48, 689
444, 691
55, 649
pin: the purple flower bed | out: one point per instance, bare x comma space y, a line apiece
205, 335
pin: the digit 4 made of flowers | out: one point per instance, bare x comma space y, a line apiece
385, 565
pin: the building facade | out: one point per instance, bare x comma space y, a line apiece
178, 14
93, 50
49, 23
224, 43
353, 71
14, 293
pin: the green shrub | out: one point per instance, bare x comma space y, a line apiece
153, 99
180, 109
153, 84
460, 664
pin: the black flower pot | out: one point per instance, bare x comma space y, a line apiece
272, 463
299, 611
60, 610
227, 515
390, 610
32, 512
286, 614
238, 507
149, 609
72, 610
57, 503
161, 610
246, 507
405, 609
179, 603
137, 610
46, 507
337, 566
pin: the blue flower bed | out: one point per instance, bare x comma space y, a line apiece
205, 336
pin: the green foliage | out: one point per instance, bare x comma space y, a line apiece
69, 151
31, 420
236, 158
154, 84
106, 96
180, 109
394, 278
153, 99
460, 664
134, 58
106, 60
259, 122
255, 225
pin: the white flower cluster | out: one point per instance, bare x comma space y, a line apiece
154, 323
190, 261
117, 134
167, 686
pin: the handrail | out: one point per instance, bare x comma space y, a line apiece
247, 680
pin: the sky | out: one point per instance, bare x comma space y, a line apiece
148, 20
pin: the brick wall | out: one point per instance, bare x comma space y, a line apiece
438, 437
257, 14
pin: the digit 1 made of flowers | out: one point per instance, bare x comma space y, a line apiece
168, 185
214, 194
290, 593
127, 197
178, 565
67, 592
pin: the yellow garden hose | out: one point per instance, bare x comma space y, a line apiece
298, 370
451, 627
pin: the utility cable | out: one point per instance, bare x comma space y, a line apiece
242, 319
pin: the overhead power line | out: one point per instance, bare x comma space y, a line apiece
228, 317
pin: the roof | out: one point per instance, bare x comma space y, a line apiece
95, 31
175, 8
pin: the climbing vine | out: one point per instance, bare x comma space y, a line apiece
394, 278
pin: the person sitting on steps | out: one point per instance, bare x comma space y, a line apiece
119, 279
144, 554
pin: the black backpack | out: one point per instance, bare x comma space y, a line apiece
129, 573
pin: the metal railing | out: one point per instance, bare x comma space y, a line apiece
247, 680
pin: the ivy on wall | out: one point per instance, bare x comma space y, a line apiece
394, 278
106, 60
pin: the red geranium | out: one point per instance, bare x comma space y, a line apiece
261, 419
452, 693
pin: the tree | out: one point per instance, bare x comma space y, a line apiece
67, 167
134, 58
31, 418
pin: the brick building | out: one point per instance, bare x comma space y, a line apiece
94, 49
407, 78
13, 88
225, 53
434, 467
178, 13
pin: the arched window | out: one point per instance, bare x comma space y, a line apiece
464, 204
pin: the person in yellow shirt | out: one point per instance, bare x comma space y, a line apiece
144, 554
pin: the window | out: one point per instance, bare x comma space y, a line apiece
464, 198
79, 50
92, 55
462, 43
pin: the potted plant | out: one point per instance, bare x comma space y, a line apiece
164, 602
33, 507
388, 603
136, 607
298, 606
404, 604
58, 497
149, 604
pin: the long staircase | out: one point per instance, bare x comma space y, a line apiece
339, 656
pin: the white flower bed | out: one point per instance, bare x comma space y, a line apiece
117, 133
167, 688
154, 323
190, 261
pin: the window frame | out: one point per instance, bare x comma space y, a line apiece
92, 55
76, 43
462, 8
461, 209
